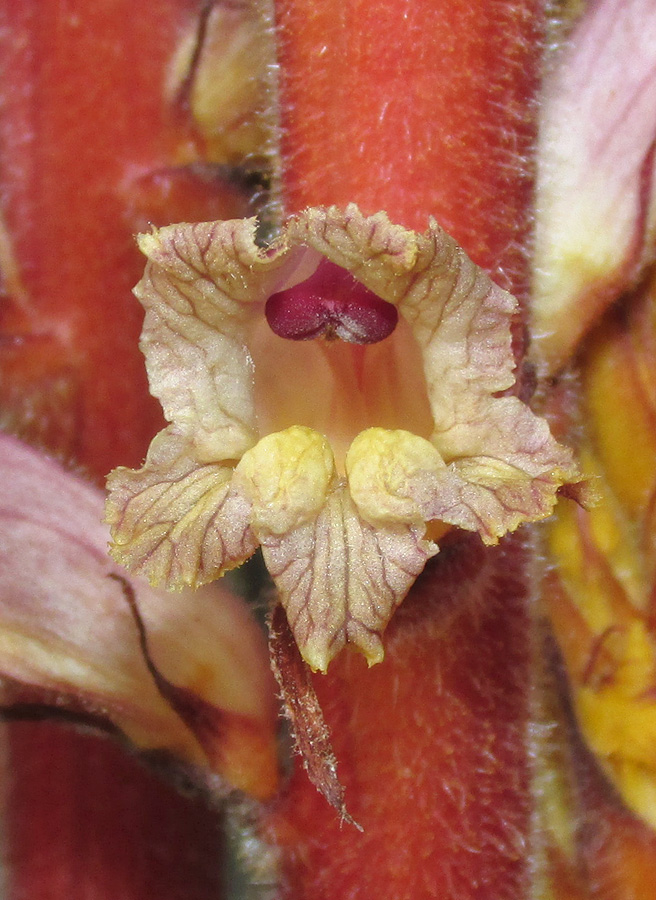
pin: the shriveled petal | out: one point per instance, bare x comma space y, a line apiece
176, 522
340, 579
67, 631
596, 216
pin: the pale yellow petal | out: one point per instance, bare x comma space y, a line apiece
202, 290
175, 522
509, 473
504, 468
340, 579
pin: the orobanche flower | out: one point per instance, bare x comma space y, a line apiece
596, 179
186, 676
341, 456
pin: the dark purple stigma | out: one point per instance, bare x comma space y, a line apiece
331, 303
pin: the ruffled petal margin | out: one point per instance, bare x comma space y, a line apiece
504, 468
175, 522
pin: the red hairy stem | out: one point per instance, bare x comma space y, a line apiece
430, 747
421, 109
89, 154
87, 823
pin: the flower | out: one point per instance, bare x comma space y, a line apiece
77, 634
600, 588
596, 211
332, 456
595, 279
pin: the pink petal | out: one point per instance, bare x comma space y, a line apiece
596, 214
67, 631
